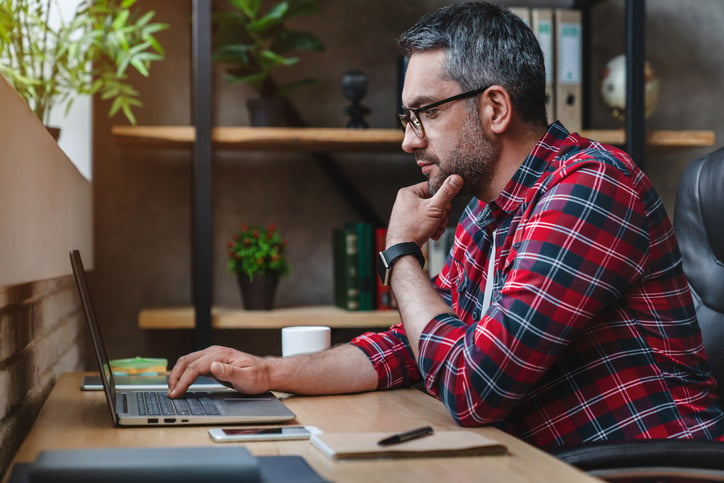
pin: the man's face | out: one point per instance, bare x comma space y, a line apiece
454, 141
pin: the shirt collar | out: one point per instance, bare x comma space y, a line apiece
525, 178
534, 166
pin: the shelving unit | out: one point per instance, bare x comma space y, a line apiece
312, 140
203, 138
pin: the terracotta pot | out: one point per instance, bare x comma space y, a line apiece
258, 293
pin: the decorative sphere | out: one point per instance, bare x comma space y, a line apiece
613, 87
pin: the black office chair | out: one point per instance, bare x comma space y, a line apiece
699, 226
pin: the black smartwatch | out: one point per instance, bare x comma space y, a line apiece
387, 258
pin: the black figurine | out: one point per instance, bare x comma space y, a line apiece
354, 87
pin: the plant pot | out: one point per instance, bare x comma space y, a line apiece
258, 293
266, 111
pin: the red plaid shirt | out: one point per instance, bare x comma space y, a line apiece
591, 333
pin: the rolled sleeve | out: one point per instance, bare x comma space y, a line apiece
391, 355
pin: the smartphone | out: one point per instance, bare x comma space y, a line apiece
268, 433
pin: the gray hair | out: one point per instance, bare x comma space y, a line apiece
485, 45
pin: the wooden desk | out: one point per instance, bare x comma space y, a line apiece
74, 419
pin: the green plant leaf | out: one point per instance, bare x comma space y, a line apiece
289, 40
249, 7
234, 53
272, 59
250, 79
274, 17
120, 20
255, 44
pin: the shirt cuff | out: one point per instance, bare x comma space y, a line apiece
391, 356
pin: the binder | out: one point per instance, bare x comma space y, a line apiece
523, 13
569, 71
542, 26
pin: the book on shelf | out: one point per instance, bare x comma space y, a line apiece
346, 286
356, 284
355, 248
366, 272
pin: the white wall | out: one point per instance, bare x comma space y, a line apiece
76, 126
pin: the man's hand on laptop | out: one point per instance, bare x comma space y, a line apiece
244, 372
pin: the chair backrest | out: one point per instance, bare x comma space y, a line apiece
699, 226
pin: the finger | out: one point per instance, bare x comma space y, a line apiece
419, 190
177, 370
181, 364
449, 189
190, 371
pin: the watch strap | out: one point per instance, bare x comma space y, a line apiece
393, 253
402, 249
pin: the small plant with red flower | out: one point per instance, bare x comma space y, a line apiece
257, 250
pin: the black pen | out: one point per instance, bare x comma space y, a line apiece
406, 436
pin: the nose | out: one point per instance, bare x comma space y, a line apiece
411, 141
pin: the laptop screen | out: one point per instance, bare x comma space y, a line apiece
109, 385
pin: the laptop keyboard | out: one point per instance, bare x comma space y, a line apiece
153, 403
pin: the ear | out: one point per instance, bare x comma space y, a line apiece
498, 108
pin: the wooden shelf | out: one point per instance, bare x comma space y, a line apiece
654, 139
225, 318
341, 139
264, 138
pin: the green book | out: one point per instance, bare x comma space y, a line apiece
365, 266
346, 285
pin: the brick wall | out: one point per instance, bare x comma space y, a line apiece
42, 334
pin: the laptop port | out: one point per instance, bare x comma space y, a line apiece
152, 420
169, 420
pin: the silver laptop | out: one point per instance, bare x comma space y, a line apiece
143, 382
154, 408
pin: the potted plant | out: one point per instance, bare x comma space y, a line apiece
256, 256
256, 41
48, 61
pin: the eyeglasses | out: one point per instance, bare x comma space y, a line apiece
412, 116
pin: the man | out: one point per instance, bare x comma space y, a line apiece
562, 314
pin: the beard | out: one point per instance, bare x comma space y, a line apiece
474, 158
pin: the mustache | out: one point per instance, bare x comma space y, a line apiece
426, 158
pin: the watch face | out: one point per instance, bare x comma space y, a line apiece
383, 270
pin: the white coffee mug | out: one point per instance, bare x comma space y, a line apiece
305, 339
